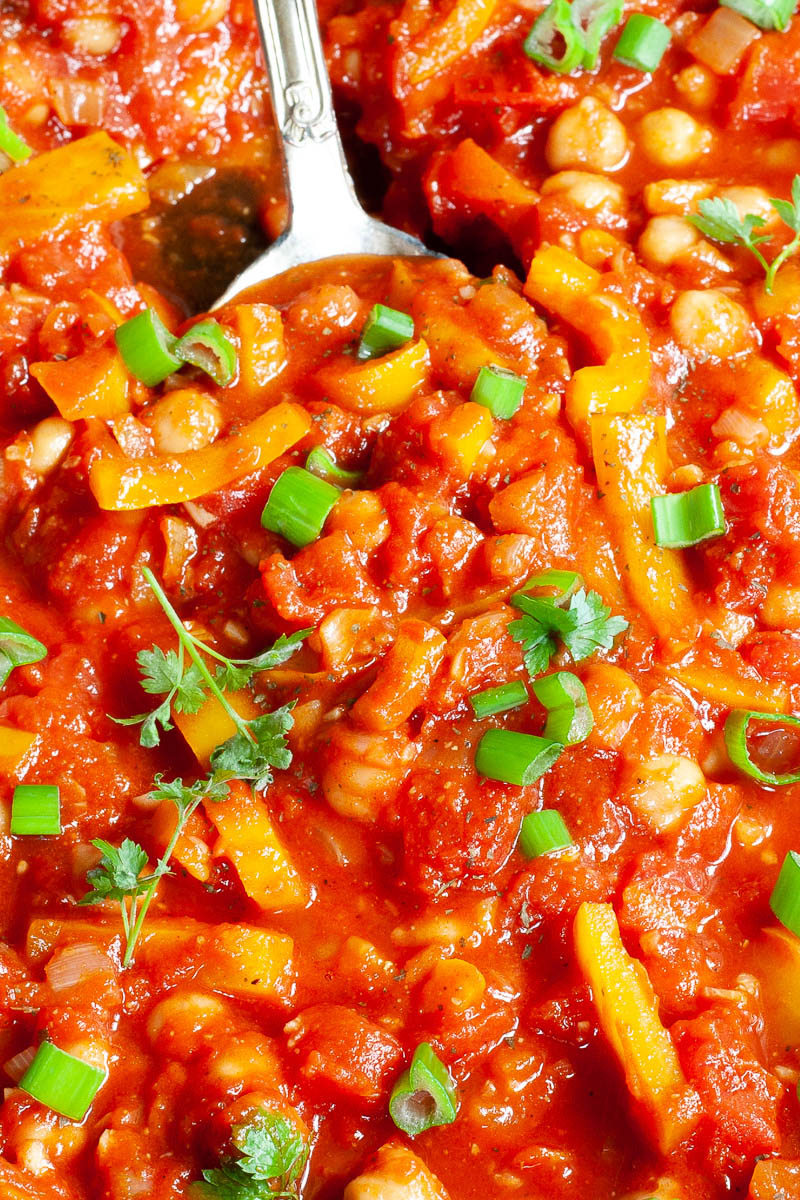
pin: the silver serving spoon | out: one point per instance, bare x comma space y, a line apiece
326, 219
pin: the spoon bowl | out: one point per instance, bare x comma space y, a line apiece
326, 219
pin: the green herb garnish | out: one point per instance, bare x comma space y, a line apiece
272, 1153
584, 626
719, 220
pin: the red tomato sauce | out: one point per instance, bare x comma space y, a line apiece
616, 1017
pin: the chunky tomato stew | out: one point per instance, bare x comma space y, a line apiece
400, 666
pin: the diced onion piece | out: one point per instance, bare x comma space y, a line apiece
75, 963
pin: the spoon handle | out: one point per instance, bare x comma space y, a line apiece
319, 184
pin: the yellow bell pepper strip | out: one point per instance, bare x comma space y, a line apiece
444, 42
91, 179
93, 384
460, 435
210, 726
243, 960
381, 385
247, 837
775, 956
627, 1010
483, 183
121, 484
561, 283
15, 745
258, 329
731, 683
630, 459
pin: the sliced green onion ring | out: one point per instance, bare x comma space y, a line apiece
386, 329
36, 810
682, 519
11, 143
594, 19
321, 462
643, 42
766, 14
565, 584
552, 28
298, 506
18, 648
492, 701
424, 1095
147, 347
63, 1082
569, 716
736, 728
542, 833
518, 758
206, 346
499, 390
785, 898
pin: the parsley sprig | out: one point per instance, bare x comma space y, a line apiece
118, 875
719, 219
185, 680
583, 623
273, 1154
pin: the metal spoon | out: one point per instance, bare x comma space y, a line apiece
326, 219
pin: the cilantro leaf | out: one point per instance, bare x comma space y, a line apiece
235, 674
117, 875
255, 748
18, 648
593, 626
584, 626
186, 797
166, 672
150, 721
273, 1155
719, 219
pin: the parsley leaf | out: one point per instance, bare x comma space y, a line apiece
252, 753
593, 626
584, 626
236, 673
118, 875
166, 673
273, 1155
719, 219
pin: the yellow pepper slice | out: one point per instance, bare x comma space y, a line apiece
122, 484
93, 384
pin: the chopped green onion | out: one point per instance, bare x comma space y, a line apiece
36, 810
542, 832
499, 699
11, 143
322, 463
298, 506
519, 758
569, 717
554, 29
386, 329
683, 519
147, 347
736, 743
785, 898
594, 19
643, 42
424, 1095
766, 14
17, 648
206, 346
64, 1083
499, 390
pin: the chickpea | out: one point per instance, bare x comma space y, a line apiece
186, 419
201, 15
671, 138
666, 238
590, 192
697, 86
50, 440
96, 35
709, 324
587, 135
782, 154
179, 1024
675, 196
249, 1058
